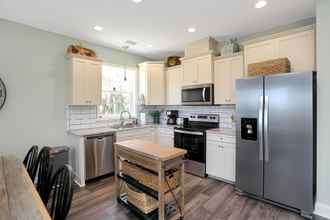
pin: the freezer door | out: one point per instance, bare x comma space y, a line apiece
249, 150
289, 140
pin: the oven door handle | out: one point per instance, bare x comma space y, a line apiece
189, 132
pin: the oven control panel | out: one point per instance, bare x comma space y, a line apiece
204, 118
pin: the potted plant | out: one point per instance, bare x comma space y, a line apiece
156, 116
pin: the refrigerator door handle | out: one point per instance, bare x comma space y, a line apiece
260, 128
266, 129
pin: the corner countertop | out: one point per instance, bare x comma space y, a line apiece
109, 130
223, 131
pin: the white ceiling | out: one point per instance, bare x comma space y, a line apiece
158, 22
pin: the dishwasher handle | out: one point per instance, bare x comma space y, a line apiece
99, 137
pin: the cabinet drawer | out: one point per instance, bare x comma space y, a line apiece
221, 138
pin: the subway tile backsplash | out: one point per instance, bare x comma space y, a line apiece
226, 113
82, 117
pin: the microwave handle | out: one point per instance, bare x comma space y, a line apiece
204, 91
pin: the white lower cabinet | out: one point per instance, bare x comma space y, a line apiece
221, 157
147, 134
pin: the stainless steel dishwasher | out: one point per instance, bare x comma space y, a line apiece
99, 155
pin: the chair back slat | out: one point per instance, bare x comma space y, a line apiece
42, 173
61, 193
30, 160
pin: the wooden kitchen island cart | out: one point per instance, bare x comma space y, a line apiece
165, 181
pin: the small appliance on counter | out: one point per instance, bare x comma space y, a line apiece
171, 116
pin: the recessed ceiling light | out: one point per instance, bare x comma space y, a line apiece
261, 4
137, 1
191, 30
98, 28
150, 45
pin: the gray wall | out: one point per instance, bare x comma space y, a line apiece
35, 70
323, 63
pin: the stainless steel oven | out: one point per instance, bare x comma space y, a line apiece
198, 94
192, 137
194, 142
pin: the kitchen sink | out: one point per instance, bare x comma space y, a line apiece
119, 126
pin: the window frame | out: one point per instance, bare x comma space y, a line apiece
102, 116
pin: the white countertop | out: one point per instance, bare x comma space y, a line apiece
223, 131
107, 130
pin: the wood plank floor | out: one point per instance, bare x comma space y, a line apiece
206, 199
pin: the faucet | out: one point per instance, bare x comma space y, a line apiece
121, 118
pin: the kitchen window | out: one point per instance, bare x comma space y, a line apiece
119, 85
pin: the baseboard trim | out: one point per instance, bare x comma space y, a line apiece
322, 210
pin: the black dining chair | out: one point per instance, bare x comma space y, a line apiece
31, 159
42, 173
61, 193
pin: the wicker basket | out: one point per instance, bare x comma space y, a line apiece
141, 200
150, 178
281, 65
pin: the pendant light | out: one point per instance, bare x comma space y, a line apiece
125, 67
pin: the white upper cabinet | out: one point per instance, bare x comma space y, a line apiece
299, 48
86, 81
190, 72
259, 52
152, 83
198, 70
173, 85
226, 71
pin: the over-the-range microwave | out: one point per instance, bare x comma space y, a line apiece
198, 94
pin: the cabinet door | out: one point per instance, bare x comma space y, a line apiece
156, 84
259, 52
222, 81
214, 159
143, 83
205, 70
173, 86
79, 86
94, 82
165, 140
226, 72
300, 49
237, 72
229, 153
190, 72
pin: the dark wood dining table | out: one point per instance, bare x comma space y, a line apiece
19, 199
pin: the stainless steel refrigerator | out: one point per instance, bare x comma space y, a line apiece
276, 139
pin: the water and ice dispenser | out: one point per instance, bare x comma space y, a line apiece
249, 128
